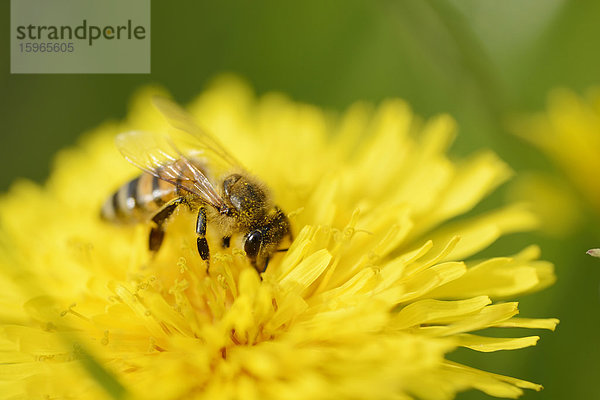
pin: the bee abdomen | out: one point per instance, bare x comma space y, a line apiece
137, 200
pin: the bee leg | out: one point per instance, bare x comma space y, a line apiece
266, 263
157, 232
201, 232
156, 238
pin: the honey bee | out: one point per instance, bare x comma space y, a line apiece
182, 169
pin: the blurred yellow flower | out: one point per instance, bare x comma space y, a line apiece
568, 132
556, 206
366, 303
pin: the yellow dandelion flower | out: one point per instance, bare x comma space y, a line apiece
366, 303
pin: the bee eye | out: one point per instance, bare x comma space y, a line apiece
253, 242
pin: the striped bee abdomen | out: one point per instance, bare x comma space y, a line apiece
138, 200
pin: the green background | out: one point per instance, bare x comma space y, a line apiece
480, 60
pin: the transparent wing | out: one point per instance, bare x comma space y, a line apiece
179, 119
160, 155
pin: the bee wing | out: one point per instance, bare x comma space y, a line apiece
159, 155
179, 119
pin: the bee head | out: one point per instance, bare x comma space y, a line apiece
260, 243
